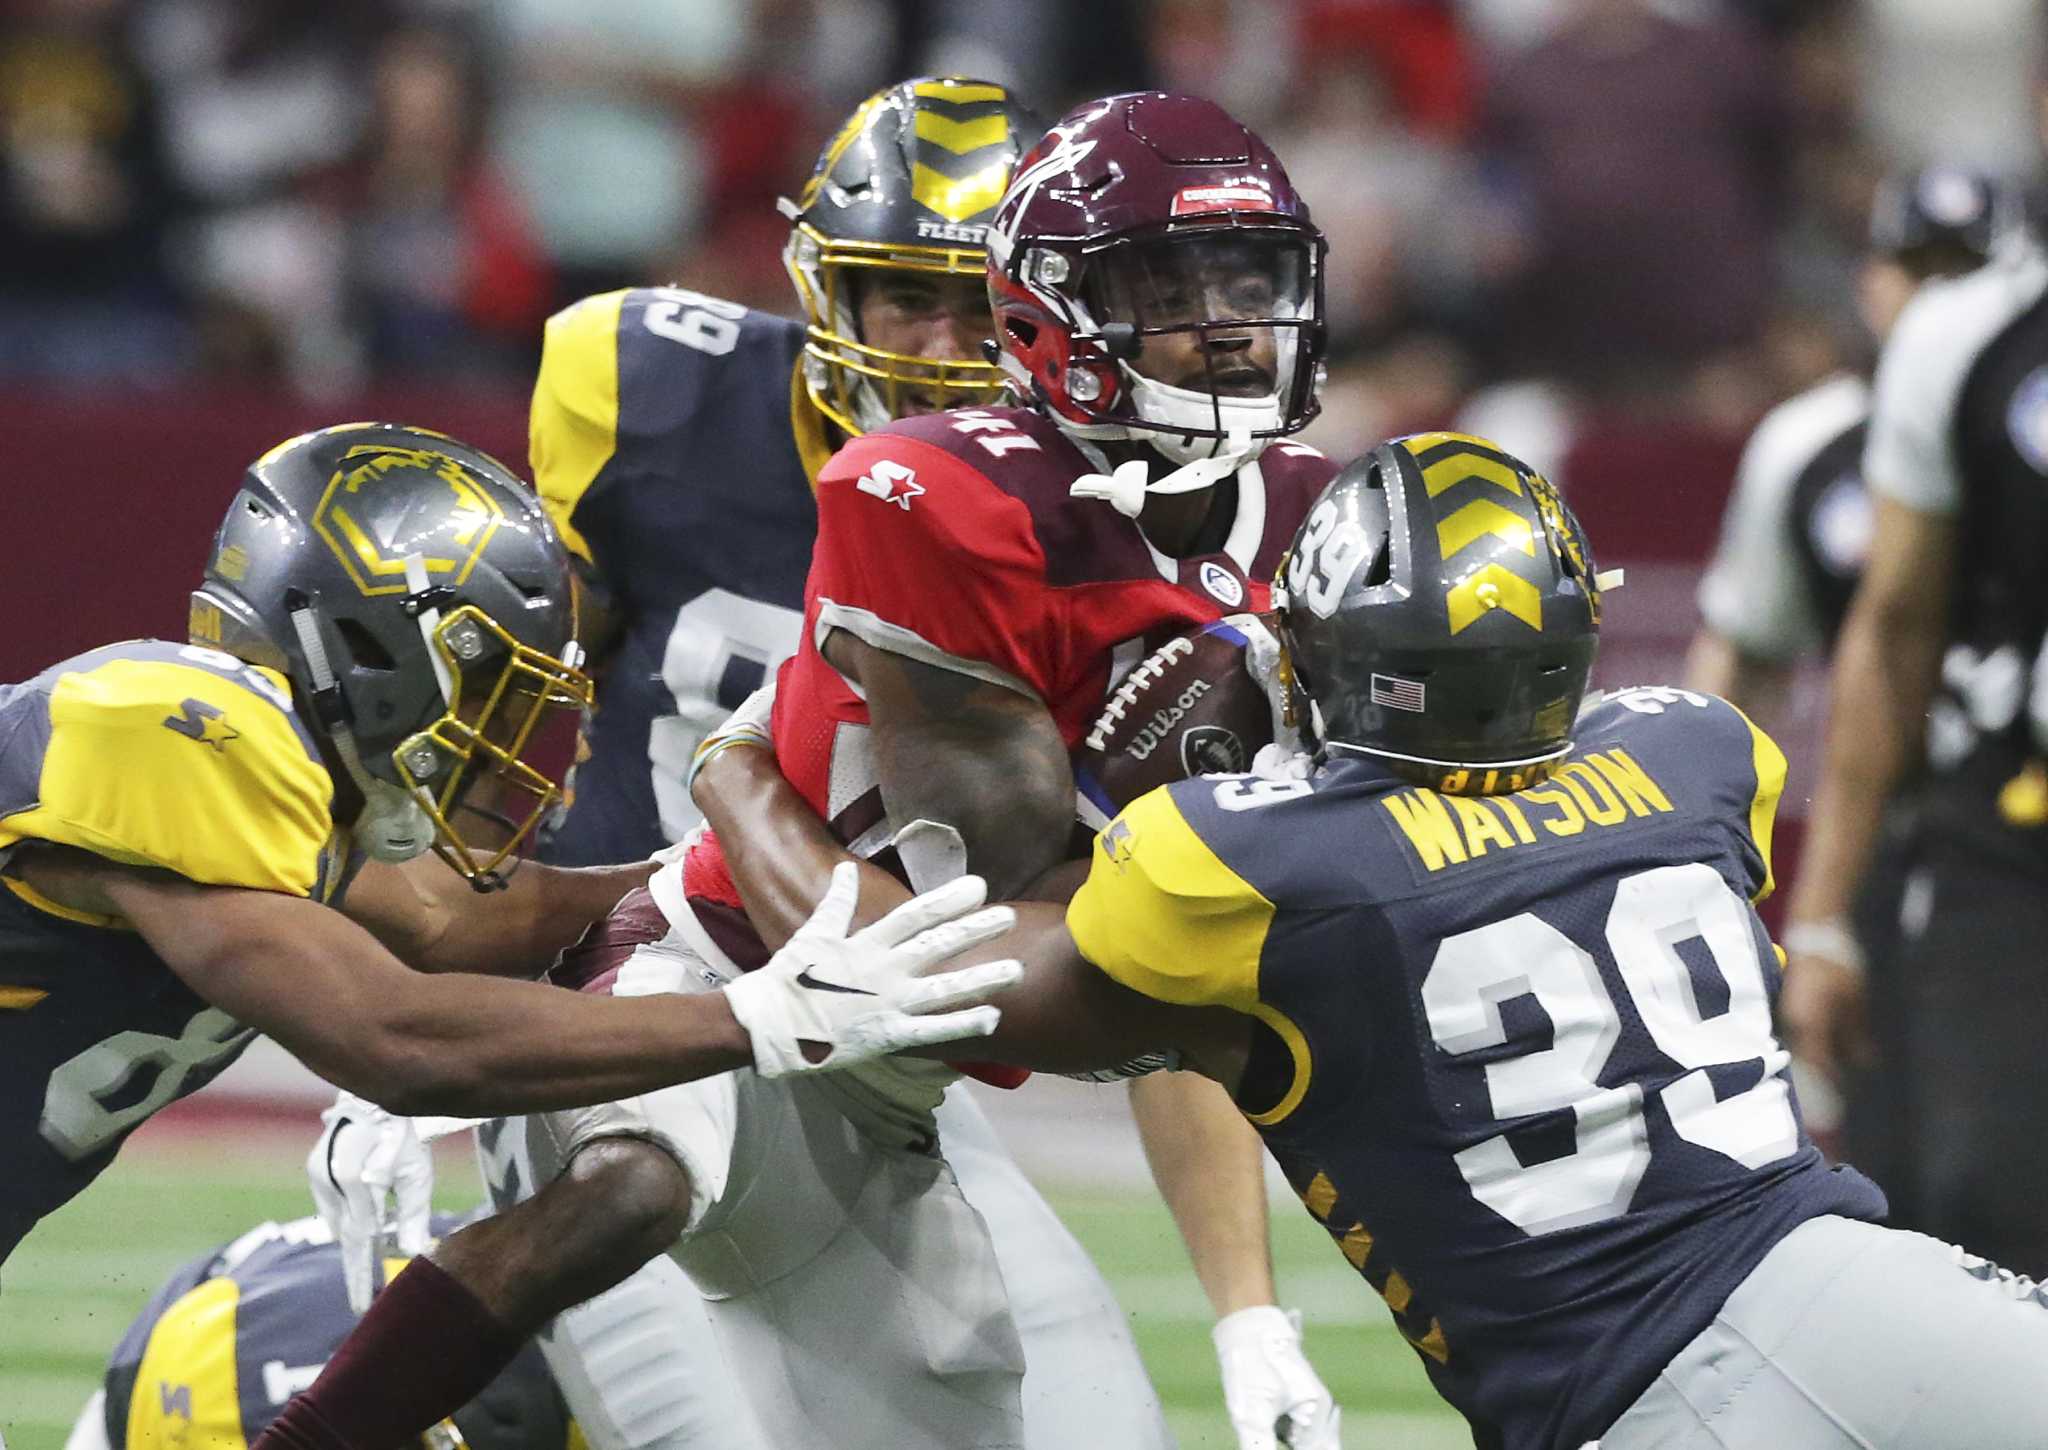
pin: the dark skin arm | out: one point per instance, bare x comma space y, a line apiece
980, 757
1064, 1016
323, 987
991, 763
432, 919
1759, 687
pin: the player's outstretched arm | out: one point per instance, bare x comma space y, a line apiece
412, 1043
477, 1046
1886, 666
433, 920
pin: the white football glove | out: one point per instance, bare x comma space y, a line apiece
865, 995
1274, 1395
364, 1160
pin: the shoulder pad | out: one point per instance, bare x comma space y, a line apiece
1164, 914
180, 757
1704, 747
1287, 464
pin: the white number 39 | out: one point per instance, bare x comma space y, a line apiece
1654, 911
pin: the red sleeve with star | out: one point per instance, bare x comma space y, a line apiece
920, 554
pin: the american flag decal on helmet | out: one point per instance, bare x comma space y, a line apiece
1397, 694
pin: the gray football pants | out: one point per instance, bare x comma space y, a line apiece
1849, 1336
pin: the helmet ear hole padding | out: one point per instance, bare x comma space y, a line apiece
363, 647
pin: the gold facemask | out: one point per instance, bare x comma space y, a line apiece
861, 387
504, 692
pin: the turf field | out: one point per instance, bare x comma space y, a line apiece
72, 1287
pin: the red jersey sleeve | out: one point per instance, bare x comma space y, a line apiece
921, 554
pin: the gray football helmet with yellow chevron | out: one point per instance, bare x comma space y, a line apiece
415, 594
1439, 612
909, 184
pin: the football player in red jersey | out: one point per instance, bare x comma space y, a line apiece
981, 577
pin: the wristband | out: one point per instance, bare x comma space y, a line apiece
1829, 939
746, 733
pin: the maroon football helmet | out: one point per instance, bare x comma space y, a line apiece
1154, 275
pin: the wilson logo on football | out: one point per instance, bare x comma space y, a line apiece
1239, 196
891, 483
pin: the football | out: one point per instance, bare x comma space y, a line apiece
1190, 708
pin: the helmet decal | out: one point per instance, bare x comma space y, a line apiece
1440, 614
415, 594
372, 533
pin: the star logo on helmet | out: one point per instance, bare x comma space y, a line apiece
891, 482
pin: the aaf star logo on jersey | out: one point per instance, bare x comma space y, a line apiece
204, 723
1118, 843
891, 482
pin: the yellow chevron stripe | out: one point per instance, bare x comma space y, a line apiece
1448, 472
848, 134
1432, 1343
960, 91
1356, 1245
20, 999
1493, 587
958, 198
1480, 518
961, 137
1320, 1196
1421, 443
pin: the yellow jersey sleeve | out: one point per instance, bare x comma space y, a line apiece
185, 1391
1164, 915
573, 428
1767, 768
156, 762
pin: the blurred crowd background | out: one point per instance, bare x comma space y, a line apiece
1534, 206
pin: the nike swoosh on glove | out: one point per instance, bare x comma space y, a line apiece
373, 1183
1274, 1395
858, 997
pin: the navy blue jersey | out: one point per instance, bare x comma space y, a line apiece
153, 754
233, 1335
1519, 1058
675, 447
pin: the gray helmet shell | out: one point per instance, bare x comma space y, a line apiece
1441, 612
345, 524
909, 184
